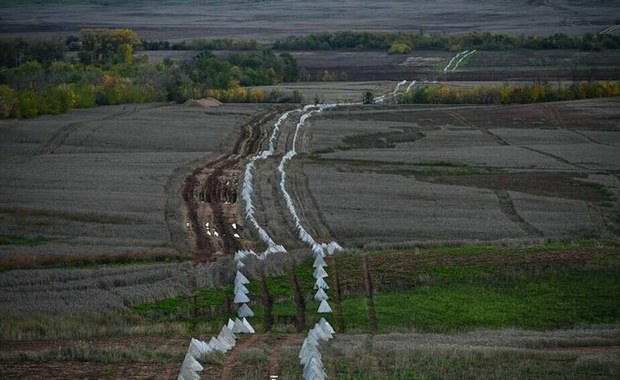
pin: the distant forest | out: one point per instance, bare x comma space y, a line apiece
35, 78
402, 43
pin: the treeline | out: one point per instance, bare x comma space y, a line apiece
16, 51
108, 73
406, 42
509, 94
204, 44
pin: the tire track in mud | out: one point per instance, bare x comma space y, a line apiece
507, 207
210, 193
58, 138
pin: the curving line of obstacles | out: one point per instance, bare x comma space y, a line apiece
458, 58
309, 356
226, 339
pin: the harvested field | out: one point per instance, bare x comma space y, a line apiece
107, 180
574, 353
528, 173
264, 20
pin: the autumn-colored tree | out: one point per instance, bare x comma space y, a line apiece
7, 101
101, 45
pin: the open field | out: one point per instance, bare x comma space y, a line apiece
545, 311
578, 354
106, 180
480, 242
452, 174
265, 20
371, 177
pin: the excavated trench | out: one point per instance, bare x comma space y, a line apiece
210, 193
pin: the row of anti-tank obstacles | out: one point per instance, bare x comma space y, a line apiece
309, 355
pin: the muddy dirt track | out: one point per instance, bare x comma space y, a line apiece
210, 192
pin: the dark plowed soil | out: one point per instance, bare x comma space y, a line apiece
210, 193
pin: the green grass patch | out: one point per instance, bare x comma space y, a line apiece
447, 289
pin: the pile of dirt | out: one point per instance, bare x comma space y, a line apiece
204, 102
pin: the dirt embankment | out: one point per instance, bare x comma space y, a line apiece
210, 193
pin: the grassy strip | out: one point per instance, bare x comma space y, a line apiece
509, 94
443, 290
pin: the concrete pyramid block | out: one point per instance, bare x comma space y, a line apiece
191, 363
245, 311
198, 348
324, 307
248, 326
241, 297
326, 326
314, 369
238, 327
226, 332
318, 250
241, 279
321, 284
241, 288
319, 262
215, 344
320, 295
230, 324
319, 272
333, 247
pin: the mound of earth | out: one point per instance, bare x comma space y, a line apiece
204, 102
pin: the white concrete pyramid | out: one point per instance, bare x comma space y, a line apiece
198, 348
215, 344
241, 288
324, 307
245, 311
333, 247
319, 262
318, 250
326, 326
319, 272
321, 284
248, 326
230, 324
238, 327
320, 295
241, 297
241, 279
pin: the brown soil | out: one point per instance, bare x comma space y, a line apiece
211, 192
88, 371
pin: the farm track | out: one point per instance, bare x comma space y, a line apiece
509, 209
210, 192
272, 215
58, 138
